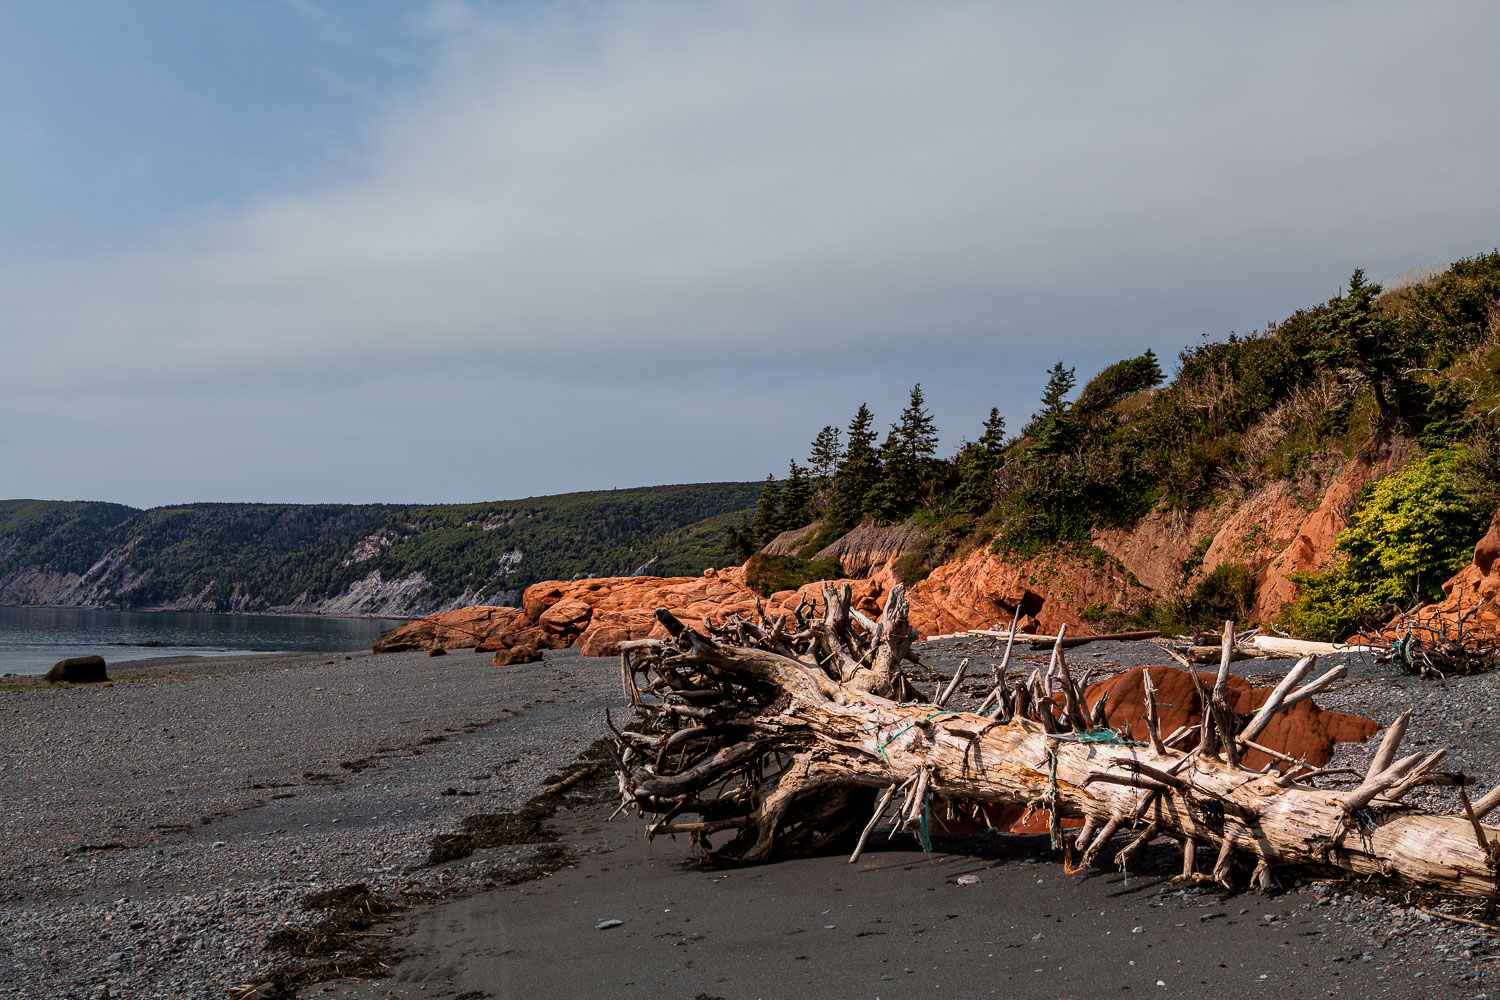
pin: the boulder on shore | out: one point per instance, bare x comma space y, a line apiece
78, 670
524, 653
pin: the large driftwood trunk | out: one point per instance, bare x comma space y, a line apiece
771, 739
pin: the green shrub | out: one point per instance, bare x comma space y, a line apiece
1227, 592
1333, 604
766, 574
1410, 532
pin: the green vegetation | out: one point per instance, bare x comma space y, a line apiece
1420, 362
766, 574
256, 556
1409, 532
58, 535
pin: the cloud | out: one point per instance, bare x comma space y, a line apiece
641, 192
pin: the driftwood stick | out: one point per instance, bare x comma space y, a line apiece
1479, 832
958, 675
1418, 773
1052, 666
880, 807
1277, 698
1306, 691
1153, 723
1389, 743
1189, 856
1487, 802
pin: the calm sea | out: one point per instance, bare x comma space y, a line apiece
32, 639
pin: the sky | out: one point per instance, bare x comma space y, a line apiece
382, 251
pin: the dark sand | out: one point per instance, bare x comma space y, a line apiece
898, 923
156, 832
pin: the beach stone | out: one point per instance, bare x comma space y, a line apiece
516, 654
568, 616
78, 670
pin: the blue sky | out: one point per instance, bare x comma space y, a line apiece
380, 251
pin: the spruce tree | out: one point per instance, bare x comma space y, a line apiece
796, 499
978, 462
1359, 335
827, 452
857, 474
909, 458
767, 513
1051, 431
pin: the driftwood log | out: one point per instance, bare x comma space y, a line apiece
765, 739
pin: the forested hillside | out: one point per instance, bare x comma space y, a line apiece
361, 559
1412, 370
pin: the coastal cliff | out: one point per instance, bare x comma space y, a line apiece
373, 559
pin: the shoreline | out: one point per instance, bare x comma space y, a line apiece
205, 611
163, 828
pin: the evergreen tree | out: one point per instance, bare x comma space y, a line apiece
857, 474
767, 513
1051, 430
1359, 335
739, 540
889, 498
917, 433
796, 499
977, 464
827, 452
909, 458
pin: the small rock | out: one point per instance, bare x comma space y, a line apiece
605, 925
967, 880
1138, 930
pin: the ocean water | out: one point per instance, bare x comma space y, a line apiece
32, 639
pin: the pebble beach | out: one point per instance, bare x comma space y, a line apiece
159, 831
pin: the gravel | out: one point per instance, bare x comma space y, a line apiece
157, 829
1405, 933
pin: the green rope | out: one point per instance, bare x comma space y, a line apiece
881, 749
1106, 735
922, 825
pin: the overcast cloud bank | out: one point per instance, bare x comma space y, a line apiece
622, 226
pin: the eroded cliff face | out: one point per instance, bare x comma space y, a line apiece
1276, 530
983, 590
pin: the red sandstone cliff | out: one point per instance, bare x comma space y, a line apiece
1277, 530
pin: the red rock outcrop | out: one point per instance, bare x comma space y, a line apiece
448, 629
596, 615
982, 589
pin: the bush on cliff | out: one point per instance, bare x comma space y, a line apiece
1226, 592
1408, 533
767, 574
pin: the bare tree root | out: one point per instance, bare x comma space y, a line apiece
770, 739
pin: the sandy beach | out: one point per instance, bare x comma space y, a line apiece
161, 830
